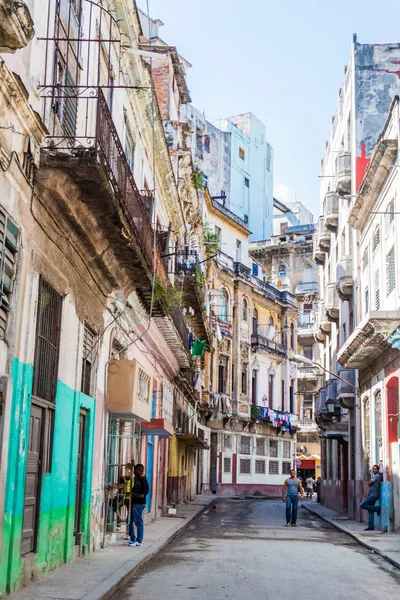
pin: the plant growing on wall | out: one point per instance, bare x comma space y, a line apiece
211, 240
197, 179
169, 298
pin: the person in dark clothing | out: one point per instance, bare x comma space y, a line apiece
368, 504
139, 492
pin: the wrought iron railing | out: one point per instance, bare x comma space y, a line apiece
181, 327
267, 344
311, 286
223, 209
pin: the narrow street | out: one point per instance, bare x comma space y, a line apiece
240, 549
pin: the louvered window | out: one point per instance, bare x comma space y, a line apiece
273, 448
245, 468
389, 215
390, 272
377, 291
227, 465
286, 468
260, 467
286, 449
8, 257
376, 239
260, 447
365, 259
89, 342
274, 467
244, 445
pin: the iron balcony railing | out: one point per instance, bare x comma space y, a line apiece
181, 327
259, 341
304, 328
312, 286
112, 157
223, 209
307, 228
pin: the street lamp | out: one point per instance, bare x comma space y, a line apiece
302, 359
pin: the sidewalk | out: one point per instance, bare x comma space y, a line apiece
99, 575
387, 545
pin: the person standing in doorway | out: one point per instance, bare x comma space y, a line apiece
139, 492
368, 504
290, 495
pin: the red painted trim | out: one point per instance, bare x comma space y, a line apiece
220, 468
361, 166
234, 468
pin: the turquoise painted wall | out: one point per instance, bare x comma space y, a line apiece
57, 501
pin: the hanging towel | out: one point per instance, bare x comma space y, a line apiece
199, 347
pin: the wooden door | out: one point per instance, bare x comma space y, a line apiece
79, 471
33, 480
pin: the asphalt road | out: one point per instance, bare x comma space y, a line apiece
241, 550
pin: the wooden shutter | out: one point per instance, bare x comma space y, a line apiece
390, 272
377, 291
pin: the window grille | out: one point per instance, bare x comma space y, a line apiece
89, 342
260, 447
260, 467
245, 466
390, 272
244, 445
376, 239
286, 466
377, 291
227, 465
286, 449
273, 448
273, 467
143, 386
8, 258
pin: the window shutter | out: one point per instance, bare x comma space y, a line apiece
260, 467
274, 467
376, 239
377, 291
245, 466
390, 272
227, 464
8, 257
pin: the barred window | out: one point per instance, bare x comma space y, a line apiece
286, 449
365, 259
286, 466
227, 442
245, 468
260, 467
227, 465
376, 239
273, 447
377, 291
273, 467
389, 215
143, 386
89, 342
390, 272
260, 447
244, 445
8, 256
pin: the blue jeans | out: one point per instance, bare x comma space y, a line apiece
369, 505
292, 503
136, 519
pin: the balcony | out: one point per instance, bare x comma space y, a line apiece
318, 254
288, 298
332, 302
307, 426
310, 373
269, 290
344, 277
16, 25
243, 271
346, 388
307, 288
228, 213
176, 334
305, 332
129, 390
86, 182
331, 211
369, 339
324, 324
261, 343
324, 236
191, 274
343, 173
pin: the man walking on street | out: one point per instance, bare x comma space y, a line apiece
139, 492
309, 487
373, 495
290, 495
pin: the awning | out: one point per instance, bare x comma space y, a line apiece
160, 427
192, 440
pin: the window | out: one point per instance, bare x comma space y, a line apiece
307, 309
308, 352
245, 466
255, 322
390, 272
244, 444
143, 386
227, 442
47, 343
273, 467
66, 105
244, 379
271, 385
244, 310
89, 342
286, 449
286, 467
238, 251
227, 464
366, 300
247, 182
206, 143
389, 215
8, 255
241, 153
260, 447
292, 336
376, 239
377, 291
260, 467
130, 150
273, 448
365, 259
254, 269
282, 271
307, 273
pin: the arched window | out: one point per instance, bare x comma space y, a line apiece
223, 306
271, 328
255, 321
307, 273
244, 309
292, 338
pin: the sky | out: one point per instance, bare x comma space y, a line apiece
282, 60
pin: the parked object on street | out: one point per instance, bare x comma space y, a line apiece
290, 495
369, 503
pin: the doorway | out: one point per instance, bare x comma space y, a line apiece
33, 480
79, 475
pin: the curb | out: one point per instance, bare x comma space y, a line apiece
120, 577
355, 537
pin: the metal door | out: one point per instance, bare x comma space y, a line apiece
33, 480
79, 471
149, 469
